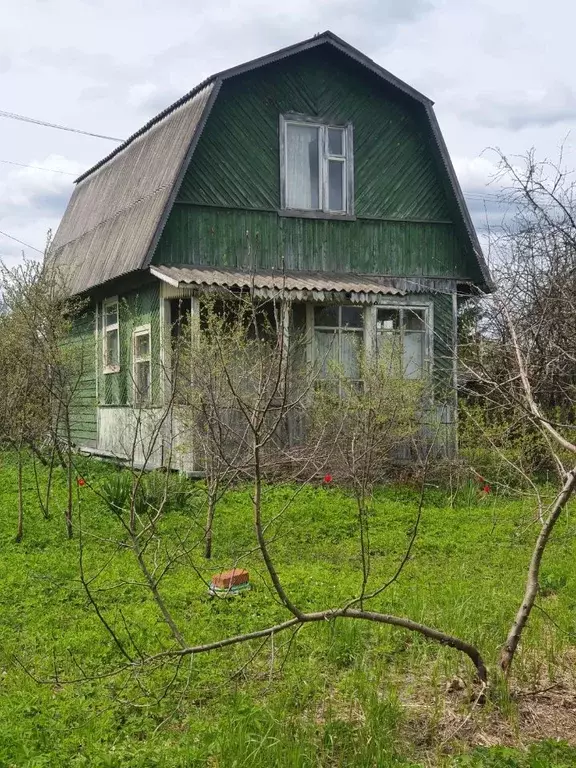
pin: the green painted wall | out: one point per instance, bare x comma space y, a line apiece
80, 355
444, 342
247, 239
137, 308
226, 210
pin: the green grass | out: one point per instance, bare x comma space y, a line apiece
340, 694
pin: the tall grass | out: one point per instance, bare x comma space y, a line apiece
346, 694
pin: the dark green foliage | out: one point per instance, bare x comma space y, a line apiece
156, 491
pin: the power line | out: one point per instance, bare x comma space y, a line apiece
21, 242
14, 116
37, 167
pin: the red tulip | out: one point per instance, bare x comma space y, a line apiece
81, 481
327, 478
486, 488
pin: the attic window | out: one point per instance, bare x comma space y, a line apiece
317, 171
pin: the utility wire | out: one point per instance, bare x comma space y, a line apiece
14, 116
21, 242
37, 167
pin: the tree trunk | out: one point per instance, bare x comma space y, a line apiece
20, 530
70, 500
209, 526
532, 583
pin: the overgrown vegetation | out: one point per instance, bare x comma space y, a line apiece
346, 693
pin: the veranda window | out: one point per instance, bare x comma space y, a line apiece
338, 341
111, 333
141, 357
401, 340
317, 165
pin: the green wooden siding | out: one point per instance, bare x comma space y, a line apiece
81, 358
443, 346
137, 308
260, 239
228, 201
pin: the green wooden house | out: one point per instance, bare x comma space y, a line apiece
310, 172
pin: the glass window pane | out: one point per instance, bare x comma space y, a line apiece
335, 141
326, 316
111, 314
302, 167
111, 353
142, 346
326, 353
387, 319
414, 319
388, 346
413, 355
350, 346
352, 317
142, 381
335, 185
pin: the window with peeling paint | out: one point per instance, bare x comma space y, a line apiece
141, 361
111, 336
316, 166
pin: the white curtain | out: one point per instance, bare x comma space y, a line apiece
350, 345
326, 353
413, 355
302, 178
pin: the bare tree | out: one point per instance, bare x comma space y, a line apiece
42, 368
260, 395
525, 370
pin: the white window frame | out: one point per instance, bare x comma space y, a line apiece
141, 330
370, 330
324, 158
113, 300
338, 330
400, 332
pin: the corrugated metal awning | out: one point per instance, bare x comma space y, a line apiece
300, 286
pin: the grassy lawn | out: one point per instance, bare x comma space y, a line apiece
339, 694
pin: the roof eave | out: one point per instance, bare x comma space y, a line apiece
487, 285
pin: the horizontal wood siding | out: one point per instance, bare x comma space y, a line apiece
81, 352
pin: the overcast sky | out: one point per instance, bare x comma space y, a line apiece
500, 72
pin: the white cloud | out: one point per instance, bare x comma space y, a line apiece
474, 172
501, 75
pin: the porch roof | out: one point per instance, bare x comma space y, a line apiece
300, 286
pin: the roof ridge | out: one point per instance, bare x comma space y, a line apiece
312, 42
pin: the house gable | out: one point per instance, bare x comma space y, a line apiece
407, 218
236, 163
411, 217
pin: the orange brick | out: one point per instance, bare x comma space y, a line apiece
228, 579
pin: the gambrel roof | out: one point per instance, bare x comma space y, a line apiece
119, 207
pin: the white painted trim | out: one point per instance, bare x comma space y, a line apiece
112, 327
141, 330
165, 350
97, 356
347, 159
164, 278
455, 368
425, 304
